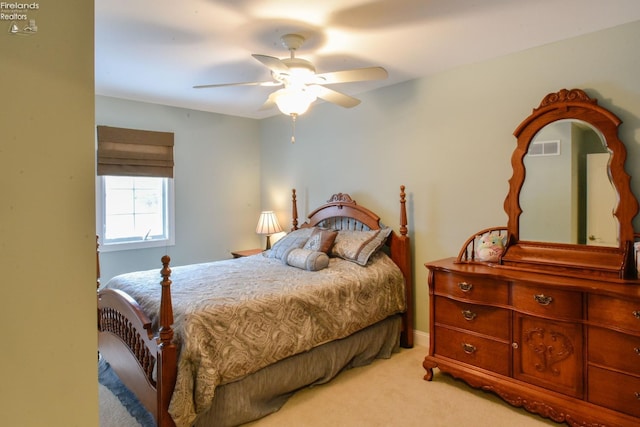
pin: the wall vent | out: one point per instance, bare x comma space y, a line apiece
544, 148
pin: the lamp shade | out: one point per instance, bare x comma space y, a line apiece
294, 100
268, 223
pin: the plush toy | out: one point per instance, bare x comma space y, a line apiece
490, 247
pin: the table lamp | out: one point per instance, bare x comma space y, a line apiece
268, 225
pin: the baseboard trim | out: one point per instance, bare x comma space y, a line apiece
421, 338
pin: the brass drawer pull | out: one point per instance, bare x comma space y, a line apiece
637, 350
637, 394
468, 348
468, 315
636, 314
543, 299
465, 287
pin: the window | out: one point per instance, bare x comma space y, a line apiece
134, 188
134, 212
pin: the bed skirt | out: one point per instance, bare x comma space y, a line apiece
265, 391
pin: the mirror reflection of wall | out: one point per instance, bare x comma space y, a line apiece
555, 194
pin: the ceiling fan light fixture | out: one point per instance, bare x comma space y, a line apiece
293, 101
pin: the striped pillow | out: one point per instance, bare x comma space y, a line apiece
358, 246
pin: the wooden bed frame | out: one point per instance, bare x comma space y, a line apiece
146, 361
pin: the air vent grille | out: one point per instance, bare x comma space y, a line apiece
544, 148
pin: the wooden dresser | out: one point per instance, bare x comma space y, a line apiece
565, 348
545, 312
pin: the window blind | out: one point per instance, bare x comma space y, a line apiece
132, 152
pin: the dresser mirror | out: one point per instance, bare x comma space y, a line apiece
570, 207
567, 168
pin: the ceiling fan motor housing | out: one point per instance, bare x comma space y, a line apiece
292, 41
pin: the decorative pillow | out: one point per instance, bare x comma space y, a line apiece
295, 239
358, 246
307, 259
321, 240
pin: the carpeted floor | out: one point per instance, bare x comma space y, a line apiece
118, 406
386, 393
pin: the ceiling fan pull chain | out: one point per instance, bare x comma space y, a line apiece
293, 127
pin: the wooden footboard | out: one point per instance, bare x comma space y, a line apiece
144, 361
126, 341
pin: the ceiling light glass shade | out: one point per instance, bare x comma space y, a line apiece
293, 101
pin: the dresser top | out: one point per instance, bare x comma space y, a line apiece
626, 288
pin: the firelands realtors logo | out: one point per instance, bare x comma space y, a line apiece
19, 16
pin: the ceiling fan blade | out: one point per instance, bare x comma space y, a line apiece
238, 84
334, 96
269, 103
355, 75
272, 63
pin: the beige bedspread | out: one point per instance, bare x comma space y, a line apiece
236, 316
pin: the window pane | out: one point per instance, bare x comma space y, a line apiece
119, 227
119, 201
148, 201
135, 209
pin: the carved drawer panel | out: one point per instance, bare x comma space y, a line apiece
547, 301
549, 354
482, 319
474, 350
472, 288
614, 350
614, 390
613, 311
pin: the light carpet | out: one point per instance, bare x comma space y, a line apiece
118, 405
389, 392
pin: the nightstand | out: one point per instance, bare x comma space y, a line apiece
248, 252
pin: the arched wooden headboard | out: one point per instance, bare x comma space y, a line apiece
341, 212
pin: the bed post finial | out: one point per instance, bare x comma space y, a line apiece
403, 212
294, 210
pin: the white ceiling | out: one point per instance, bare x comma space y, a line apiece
156, 50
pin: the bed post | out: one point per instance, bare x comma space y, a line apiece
167, 351
403, 212
294, 210
402, 257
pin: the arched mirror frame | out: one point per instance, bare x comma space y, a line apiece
568, 258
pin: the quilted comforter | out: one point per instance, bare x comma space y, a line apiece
237, 316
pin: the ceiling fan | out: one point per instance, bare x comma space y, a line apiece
301, 84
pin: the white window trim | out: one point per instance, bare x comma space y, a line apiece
143, 244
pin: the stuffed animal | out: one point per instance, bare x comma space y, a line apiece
490, 248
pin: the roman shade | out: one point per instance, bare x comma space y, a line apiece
132, 152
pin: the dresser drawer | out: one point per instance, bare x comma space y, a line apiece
614, 350
613, 311
477, 351
614, 390
482, 319
547, 301
472, 288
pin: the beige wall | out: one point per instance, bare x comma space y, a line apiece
48, 303
448, 138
